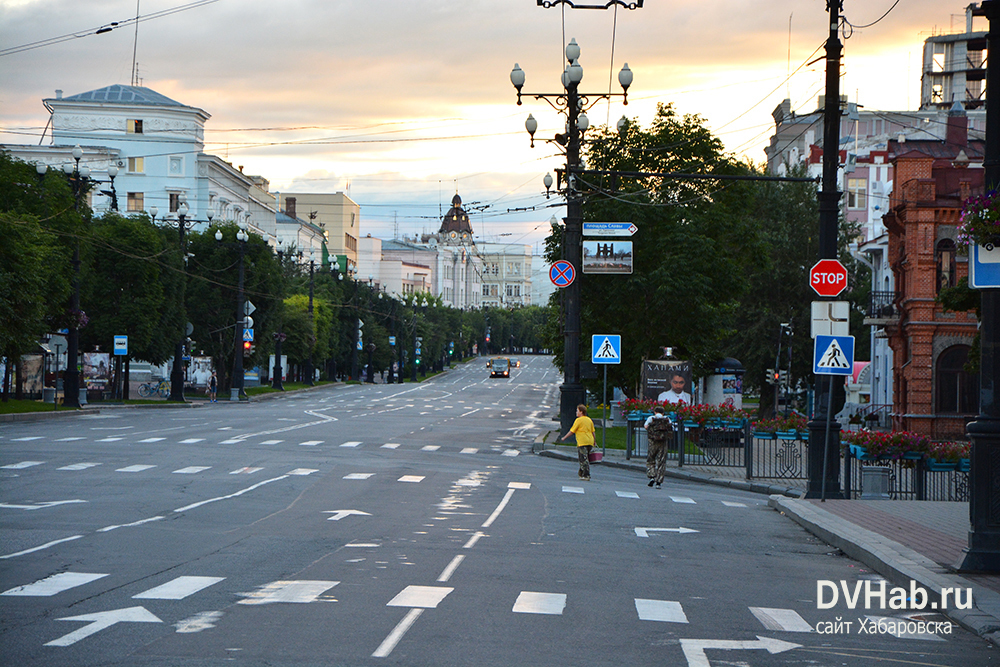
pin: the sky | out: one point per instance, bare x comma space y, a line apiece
403, 103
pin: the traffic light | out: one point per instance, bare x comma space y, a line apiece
247, 348
772, 377
775, 377
783, 377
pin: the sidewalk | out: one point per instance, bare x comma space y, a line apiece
902, 540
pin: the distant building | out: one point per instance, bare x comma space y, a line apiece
337, 216
954, 67
506, 274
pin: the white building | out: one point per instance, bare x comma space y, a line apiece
506, 279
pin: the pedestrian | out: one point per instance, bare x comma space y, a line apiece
583, 428
658, 431
213, 386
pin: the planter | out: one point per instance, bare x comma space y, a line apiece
964, 465
941, 466
763, 435
912, 456
787, 435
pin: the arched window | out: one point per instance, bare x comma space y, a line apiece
944, 255
956, 390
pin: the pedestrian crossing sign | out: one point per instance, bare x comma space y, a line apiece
606, 349
833, 355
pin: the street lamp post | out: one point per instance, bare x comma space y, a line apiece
279, 337
573, 104
71, 382
177, 373
312, 326
236, 387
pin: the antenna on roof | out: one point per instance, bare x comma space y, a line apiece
135, 46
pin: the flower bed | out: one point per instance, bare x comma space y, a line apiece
699, 414
903, 445
792, 422
980, 221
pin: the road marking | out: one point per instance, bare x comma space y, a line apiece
310, 443
231, 495
359, 475
424, 597
731, 504
450, 570
519, 485
27, 438
644, 532
469, 450
684, 500
101, 620
415, 479
390, 445
529, 602
245, 471
496, 512
665, 611
389, 643
110, 439
781, 620
135, 468
191, 470
694, 649
152, 440
302, 472
39, 548
472, 540
430, 448
79, 466
362, 545
511, 452
340, 514
41, 505
178, 589
57, 583
71, 438
299, 592
204, 620
140, 522
626, 494
231, 442
22, 465
191, 441
572, 489
271, 442
468, 482
350, 444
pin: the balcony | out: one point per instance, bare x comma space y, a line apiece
882, 309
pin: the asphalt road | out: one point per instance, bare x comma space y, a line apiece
404, 525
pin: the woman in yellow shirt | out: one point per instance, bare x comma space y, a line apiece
583, 428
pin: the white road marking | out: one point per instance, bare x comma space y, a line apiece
430, 448
140, 522
39, 548
204, 620
191, 470
110, 439
781, 620
359, 475
665, 611
310, 443
101, 620
519, 485
683, 500
71, 438
178, 589
22, 465
644, 532
390, 445
350, 444
57, 583
231, 495
41, 505
271, 442
572, 489
299, 592
529, 602
340, 514
511, 452
450, 570
626, 494
496, 512
231, 442
152, 440
245, 471
362, 545
27, 438
389, 643
469, 450
694, 649
424, 597
135, 468
415, 479
472, 540
191, 441
731, 504
79, 466
302, 472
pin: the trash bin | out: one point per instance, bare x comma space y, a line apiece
48, 394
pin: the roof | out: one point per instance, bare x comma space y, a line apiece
456, 220
124, 95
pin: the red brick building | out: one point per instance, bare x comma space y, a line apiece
932, 393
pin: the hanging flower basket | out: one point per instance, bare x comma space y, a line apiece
980, 222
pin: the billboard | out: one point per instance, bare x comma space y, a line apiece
666, 381
607, 257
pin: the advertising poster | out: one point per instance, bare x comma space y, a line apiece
607, 257
97, 370
199, 371
32, 366
667, 381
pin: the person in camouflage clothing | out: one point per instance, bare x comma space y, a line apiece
658, 431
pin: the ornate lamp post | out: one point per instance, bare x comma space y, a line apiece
183, 223
311, 340
279, 336
236, 387
71, 383
573, 104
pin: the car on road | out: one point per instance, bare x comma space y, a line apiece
499, 367
515, 363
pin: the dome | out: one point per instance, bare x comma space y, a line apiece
456, 220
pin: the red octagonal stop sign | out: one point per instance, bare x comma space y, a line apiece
828, 277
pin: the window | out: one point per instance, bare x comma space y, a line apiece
957, 391
944, 256
136, 165
486, 290
175, 201
857, 191
133, 126
135, 202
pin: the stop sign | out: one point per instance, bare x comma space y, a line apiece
828, 277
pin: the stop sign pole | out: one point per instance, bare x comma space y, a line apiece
824, 434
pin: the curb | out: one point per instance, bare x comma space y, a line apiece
40, 416
897, 563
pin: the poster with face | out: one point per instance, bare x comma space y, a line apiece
97, 370
199, 371
667, 381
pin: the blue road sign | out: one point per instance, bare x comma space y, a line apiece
562, 273
833, 355
609, 229
121, 346
606, 349
984, 266
248, 335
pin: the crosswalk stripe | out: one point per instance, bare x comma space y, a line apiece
303, 472
359, 475
57, 583
22, 465
303, 591
230, 442
27, 438
732, 504
191, 441
79, 466
110, 439
271, 442
530, 602
511, 452
178, 589
310, 443
245, 471
152, 440
415, 479
191, 470
626, 494
430, 448
683, 500
135, 468
391, 445
469, 450
665, 611
350, 444
781, 620
71, 438
572, 489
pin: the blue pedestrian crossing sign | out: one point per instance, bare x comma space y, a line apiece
606, 349
248, 335
833, 355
